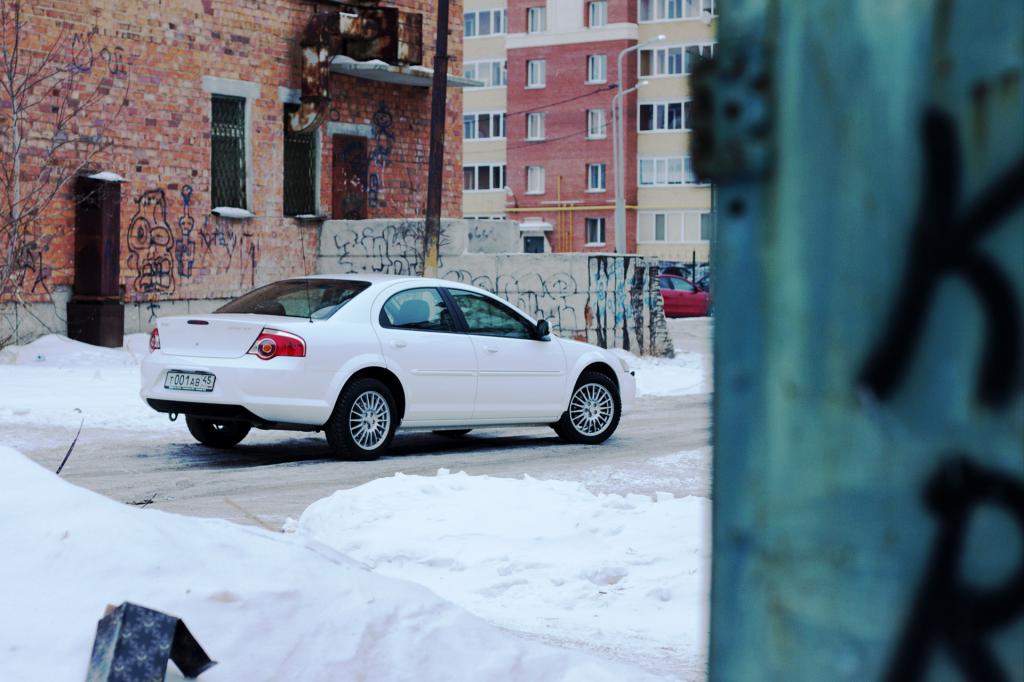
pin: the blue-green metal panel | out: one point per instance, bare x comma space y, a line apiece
892, 152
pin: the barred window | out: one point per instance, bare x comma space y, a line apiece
227, 151
300, 164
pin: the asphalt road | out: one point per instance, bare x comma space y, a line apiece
275, 475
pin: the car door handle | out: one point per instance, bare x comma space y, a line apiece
398, 343
490, 349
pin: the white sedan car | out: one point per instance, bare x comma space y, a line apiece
359, 356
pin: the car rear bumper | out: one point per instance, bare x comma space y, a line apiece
246, 388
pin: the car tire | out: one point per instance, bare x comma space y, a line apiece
364, 421
451, 433
594, 411
215, 434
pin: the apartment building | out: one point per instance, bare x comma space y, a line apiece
538, 142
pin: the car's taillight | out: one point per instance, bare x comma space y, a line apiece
272, 343
154, 340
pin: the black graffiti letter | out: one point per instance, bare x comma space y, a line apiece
947, 612
945, 241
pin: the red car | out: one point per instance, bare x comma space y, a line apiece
682, 297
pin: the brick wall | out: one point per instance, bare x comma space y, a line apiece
161, 52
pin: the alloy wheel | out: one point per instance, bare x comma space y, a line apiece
591, 409
369, 420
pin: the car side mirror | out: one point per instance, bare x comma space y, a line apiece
542, 329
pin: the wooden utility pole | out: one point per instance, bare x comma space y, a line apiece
435, 168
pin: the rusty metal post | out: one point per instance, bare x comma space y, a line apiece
95, 311
435, 169
868, 515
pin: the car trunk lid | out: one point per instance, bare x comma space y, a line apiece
214, 336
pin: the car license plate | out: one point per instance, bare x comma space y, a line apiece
189, 381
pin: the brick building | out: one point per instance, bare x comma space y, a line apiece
218, 193
543, 122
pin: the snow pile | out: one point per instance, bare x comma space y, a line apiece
266, 606
54, 350
57, 381
624, 576
681, 375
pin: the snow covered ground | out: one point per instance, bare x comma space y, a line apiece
266, 606
566, 561
681, 375
55, 380
621, 575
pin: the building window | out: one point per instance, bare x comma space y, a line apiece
660, 116
659, 227
301, 160
661, 61
695, 54
483, 177
535, 179
536, 73
597, 13
596, 128
674, 227
533, 244
485, 22
484, 126
536, 19
493, 74
665, 10
707, 227
535, 126
666, 172
597, 68
595, 231
227, 155
596, 181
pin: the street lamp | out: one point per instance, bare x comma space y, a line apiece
619, 147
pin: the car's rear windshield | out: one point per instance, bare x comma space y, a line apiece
315, 298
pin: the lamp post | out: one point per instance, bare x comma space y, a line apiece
619, 147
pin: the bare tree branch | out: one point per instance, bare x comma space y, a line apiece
56, 114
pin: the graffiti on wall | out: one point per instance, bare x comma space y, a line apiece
625, 309
30, 273
84, 56
553, 297
380, 154
612, 301
151, 244
948, 612
162, 258
184, 245
395, 248
230, 249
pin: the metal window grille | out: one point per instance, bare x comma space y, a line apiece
300, 161
227, 162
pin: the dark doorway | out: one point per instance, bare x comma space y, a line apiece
533, 244
350, 167
95, 311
